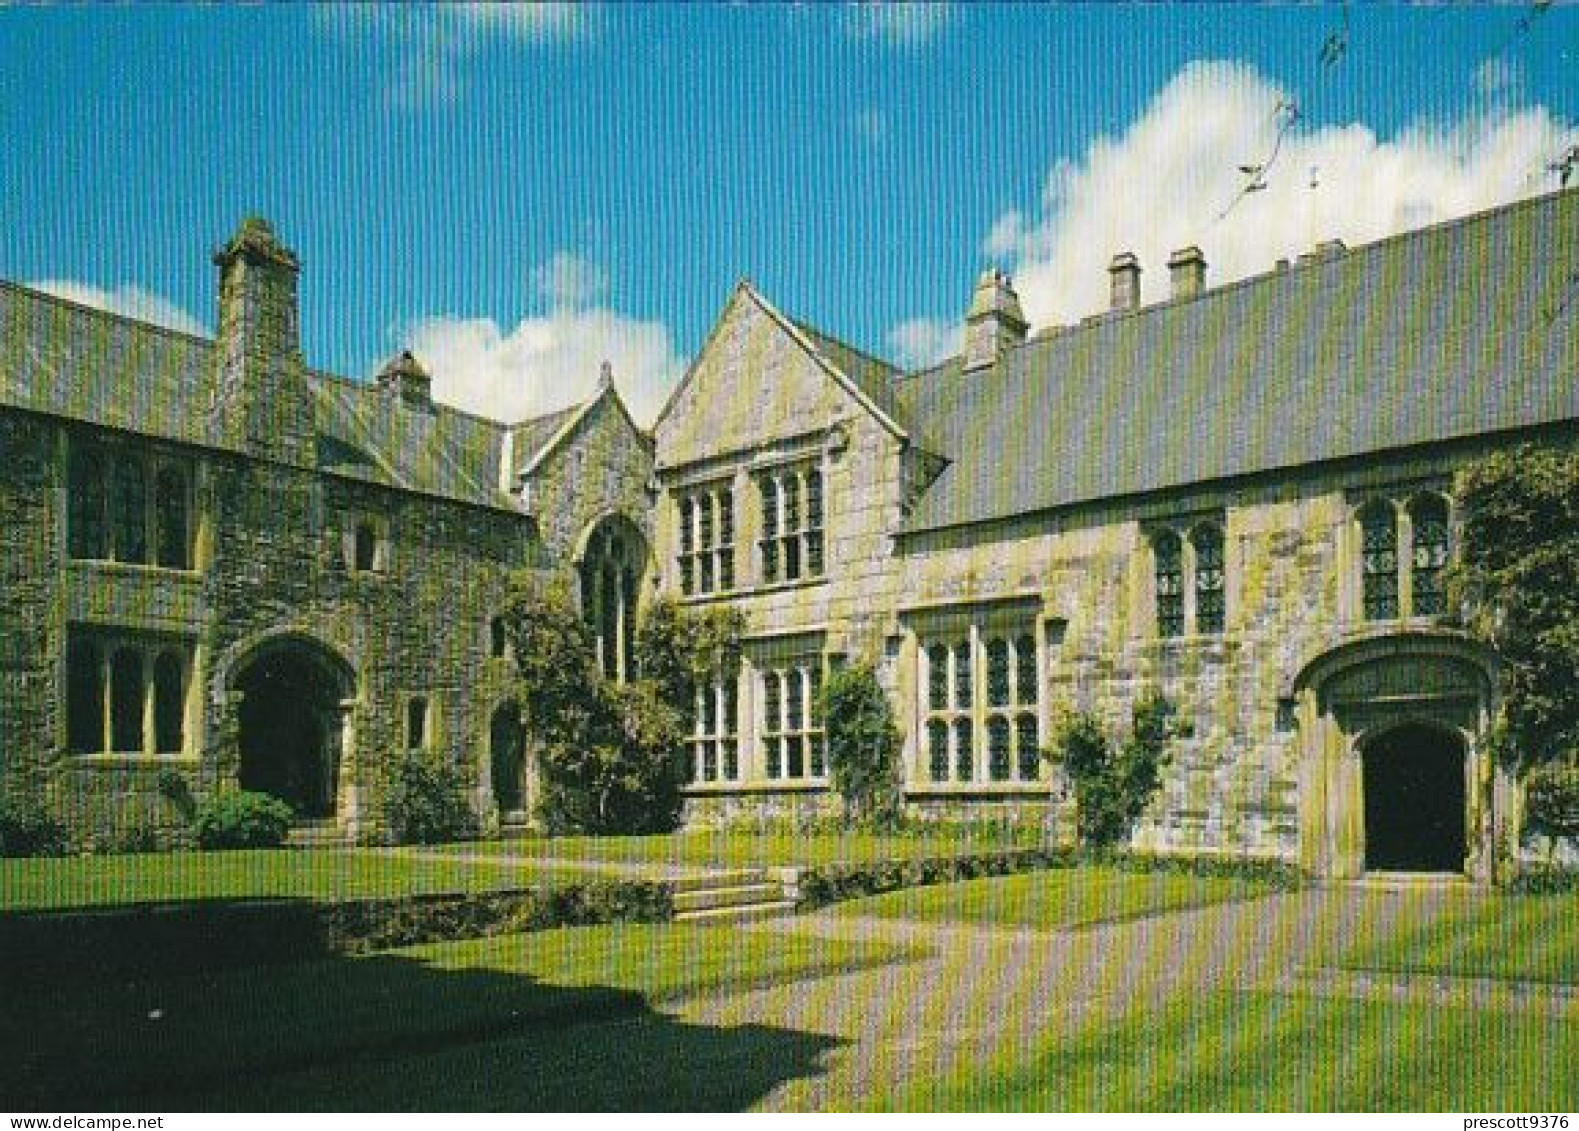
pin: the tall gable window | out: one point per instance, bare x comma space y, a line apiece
128, 506
707, 540
792, 545
1189, 578
1404, 549
981, 698
125, 693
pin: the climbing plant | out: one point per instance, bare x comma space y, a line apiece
863, 746
1113, 784
1516, 586
678, 648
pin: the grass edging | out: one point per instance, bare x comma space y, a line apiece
824, 884
217, 934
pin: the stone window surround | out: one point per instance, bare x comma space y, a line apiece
419, 711
1405, 502
355, 523
974, 623
1189, 531
150, 649
792, 683
155, 466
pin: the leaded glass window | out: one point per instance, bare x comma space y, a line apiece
1207, 541
1170, 583
1379, 548
707, 540
791, 734
1429, 555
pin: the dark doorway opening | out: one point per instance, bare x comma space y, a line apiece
507, 748
1414, 801
290, 727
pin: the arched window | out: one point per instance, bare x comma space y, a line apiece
1429, 554
84, 696
1169, 557
169, 704
172, 540
88, 531
1207, 541
1379, 561
129, 493
126, 701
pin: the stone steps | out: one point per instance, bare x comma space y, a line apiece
317, 834
736, 896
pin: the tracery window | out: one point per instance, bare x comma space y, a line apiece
988, 736
1190, 580
792, 523
1404, 551
707, 540
125, 693
715, 739
791, 733
128, 506
1169, 555
1207, 540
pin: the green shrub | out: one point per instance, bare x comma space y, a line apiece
624, 774
1113, 787
240, 818
425, 802
28, 829
1551, 802
863, 746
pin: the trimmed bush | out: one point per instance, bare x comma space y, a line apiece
426, 801
863, 747
1551, 795
241, 818
28, 829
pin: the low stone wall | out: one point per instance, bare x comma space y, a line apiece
213, 934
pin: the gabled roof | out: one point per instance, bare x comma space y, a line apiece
538, 437
1453, 331
63, 359
866, 379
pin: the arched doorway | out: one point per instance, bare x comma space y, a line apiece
507, 758
1414, 791
290, 724
611, 567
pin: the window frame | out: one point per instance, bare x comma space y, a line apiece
805, 672
707, 525
1387, 592
98, 474
119, 663
792, 500
1191, 599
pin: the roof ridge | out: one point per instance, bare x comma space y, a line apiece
1092, 322
112, 315
866, 355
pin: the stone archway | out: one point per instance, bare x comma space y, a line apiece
1413, 780
290, 723
1392, 757
610, 569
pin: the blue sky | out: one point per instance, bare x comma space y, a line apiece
520, 192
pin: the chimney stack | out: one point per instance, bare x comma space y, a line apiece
1125, 272
994, 322
1187, 272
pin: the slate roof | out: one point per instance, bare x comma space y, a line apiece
873, 376
64, 359
1451, 331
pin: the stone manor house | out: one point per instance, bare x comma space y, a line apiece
222, 565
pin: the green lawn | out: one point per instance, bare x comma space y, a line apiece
231, 1026
300, 873
1520, 937
1055, 900
715, 849
1268, 1052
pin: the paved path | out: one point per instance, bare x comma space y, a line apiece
989, 992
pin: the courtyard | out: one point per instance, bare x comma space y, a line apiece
1087, 987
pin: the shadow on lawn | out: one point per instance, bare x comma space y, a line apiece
376, 1033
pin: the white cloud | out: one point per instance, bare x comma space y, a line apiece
923, 342
434, 42
1166, 181
548, 361
568, 281
133, 302
907, 24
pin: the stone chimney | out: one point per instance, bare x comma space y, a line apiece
1187, 272
404, 377
261, 401
994, 322
1125, 273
